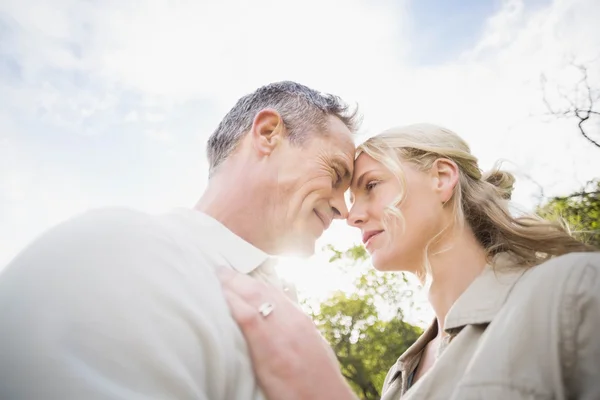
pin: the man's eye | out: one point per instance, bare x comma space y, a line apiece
337, 179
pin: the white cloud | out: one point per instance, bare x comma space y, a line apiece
222, 49
190, 49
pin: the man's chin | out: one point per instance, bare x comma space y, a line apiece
301, 249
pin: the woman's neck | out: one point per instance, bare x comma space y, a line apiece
453, 270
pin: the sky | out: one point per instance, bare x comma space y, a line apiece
108, 103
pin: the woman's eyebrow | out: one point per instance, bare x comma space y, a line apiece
362, 177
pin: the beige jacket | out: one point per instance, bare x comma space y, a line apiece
515, 334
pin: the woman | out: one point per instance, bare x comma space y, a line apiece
516, 299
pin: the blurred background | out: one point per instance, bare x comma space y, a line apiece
111, 103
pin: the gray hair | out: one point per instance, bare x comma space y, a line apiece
300, 108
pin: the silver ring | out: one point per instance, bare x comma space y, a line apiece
265, 309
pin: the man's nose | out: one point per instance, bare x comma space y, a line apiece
338, 204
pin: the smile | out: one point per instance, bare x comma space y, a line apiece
368, 237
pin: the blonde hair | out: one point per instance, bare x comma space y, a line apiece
480, 200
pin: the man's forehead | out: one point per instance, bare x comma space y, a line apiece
343, 143
336, 127
338, 142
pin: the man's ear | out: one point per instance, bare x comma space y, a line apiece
267, 131
446, 174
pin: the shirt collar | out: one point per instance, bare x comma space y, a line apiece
241, 255
484, 298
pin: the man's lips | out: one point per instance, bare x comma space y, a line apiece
369, 234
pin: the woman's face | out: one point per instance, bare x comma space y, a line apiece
400, 247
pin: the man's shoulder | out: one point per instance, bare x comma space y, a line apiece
111, 222
117, 217
115, 241
103, 232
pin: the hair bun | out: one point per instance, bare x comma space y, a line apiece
503, 181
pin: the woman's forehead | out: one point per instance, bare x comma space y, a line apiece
362, 163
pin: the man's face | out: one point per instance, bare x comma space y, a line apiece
311, 182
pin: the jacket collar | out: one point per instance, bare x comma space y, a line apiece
484, 298
478, 304
415, 349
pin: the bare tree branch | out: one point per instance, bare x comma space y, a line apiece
528, 176
578, 105
585, 80
582, 130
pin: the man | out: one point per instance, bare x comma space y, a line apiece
117, 304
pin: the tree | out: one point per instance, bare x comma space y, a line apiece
580, 211
365, 342
578, 99
581, 102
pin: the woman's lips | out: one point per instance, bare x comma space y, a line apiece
368, 236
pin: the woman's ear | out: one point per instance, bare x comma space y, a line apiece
446, 174
267, 131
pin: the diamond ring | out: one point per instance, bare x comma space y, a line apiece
265, 309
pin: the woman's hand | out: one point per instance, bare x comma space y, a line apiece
291, 358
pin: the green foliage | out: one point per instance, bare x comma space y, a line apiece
353, 254
365, 343
580, 211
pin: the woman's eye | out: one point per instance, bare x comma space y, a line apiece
371, 185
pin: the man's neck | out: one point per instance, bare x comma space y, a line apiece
453, 271
236, 206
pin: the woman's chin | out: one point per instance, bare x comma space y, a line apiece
388, 264
381, 263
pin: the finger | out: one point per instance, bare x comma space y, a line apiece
246, 295
225, 274
237, 282
250, 289
255, 328
242, 312
244, 307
